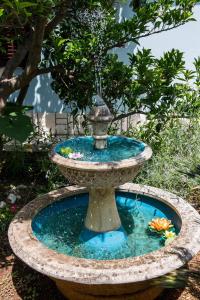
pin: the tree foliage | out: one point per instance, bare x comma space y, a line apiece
85, 43
160, 88
73, 46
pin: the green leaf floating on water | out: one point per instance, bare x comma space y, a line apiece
65, 151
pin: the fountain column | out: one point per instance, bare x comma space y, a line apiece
102, 214
100, 117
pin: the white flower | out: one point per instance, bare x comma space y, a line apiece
75, 155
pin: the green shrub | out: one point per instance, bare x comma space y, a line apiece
6, 215
31, 167
176, 159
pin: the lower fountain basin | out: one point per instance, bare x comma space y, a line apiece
60, 227
81, 278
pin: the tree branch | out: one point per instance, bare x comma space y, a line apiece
125, 115
32, 47
2, 103
22, 50
21, 81
159, 31
58, 18
16, 60
57, 68
131, 39
36, 46
22, 95
130, 113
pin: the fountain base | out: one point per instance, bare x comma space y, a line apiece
139, 291
117, 279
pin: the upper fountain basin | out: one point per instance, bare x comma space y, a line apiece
115, 165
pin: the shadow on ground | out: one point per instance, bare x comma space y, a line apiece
6, 257
170, 294
30, 284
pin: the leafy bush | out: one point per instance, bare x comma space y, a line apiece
36, 167
14, 124
31, 160
174, 164
6, 215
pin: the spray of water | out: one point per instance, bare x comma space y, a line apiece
95, 21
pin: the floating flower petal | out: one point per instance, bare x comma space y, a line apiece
169, 234
160, 225
75, 155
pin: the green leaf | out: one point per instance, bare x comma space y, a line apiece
8, 3
16, 126
84, 59
27, 4
13, 114
14, 108
136, 42
61, 42
1, 12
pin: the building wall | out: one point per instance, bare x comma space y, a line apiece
186, 38
65, 125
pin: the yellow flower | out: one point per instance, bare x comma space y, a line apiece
160, 224
169, 234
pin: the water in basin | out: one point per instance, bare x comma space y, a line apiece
119, 148
59, 226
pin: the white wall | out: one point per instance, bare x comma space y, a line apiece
186, 38
41, 96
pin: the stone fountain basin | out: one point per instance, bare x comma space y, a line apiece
130, 278
101, 174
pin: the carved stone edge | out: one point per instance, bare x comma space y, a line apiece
102, 166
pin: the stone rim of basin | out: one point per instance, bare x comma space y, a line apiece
86, 271
102, 166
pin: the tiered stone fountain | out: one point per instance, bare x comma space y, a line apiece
92, 239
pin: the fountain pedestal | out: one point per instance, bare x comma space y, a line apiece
100, 117
102, 214
103, 230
